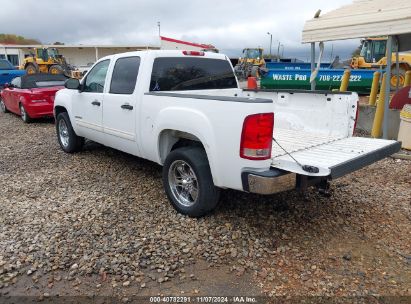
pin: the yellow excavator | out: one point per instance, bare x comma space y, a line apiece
47, 60
373, 56
250, 63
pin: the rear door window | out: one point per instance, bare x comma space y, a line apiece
124, 76
191, 73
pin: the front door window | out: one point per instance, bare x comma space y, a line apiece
96, 79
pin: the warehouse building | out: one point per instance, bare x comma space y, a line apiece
81, 56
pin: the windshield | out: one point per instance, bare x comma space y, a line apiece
5, 65
373, 50
52, 52
379, 49
365, 49
252, 53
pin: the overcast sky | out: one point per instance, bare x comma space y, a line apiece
230, 25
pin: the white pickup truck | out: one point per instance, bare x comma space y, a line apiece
185, 111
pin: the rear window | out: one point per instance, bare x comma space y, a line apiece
45, 84
191, 73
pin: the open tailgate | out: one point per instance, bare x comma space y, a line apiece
333, 156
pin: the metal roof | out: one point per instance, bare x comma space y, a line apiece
200, 45
112, 46
362, 18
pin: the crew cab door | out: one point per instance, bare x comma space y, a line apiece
120, 106
87, 104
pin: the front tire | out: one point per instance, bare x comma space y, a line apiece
68, 139
24, 115
32, 68
397, 78
188, 182
56, 70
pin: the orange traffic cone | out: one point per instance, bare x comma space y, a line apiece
252, 83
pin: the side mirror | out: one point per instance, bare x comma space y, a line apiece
72, 84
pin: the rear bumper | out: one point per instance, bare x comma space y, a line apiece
277, 180
40, 109
268, 182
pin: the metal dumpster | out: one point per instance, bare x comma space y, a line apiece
327, 79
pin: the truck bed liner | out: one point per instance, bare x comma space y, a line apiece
333, 156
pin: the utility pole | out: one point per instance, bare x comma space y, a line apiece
332, 51
159, 27
278, 51
271, 43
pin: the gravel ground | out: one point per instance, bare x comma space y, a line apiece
98, 222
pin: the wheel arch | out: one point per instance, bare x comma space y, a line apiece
22, 101
171, 139
58, 110
31, 63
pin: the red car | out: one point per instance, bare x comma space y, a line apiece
31, 96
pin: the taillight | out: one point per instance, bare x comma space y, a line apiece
256, 137
193, 53
356, 117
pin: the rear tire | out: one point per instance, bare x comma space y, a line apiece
67, 138
24, 115
3, 107
188, 182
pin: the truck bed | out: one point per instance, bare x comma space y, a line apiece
334, 156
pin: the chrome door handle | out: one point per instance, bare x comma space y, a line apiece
127, 107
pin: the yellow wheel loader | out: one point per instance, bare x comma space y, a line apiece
47, 60
250, 63
373, 55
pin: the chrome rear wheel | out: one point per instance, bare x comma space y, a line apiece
188, 182
183, 183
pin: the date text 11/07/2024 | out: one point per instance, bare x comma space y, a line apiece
203, 299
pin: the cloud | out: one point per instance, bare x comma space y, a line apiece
229, 25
